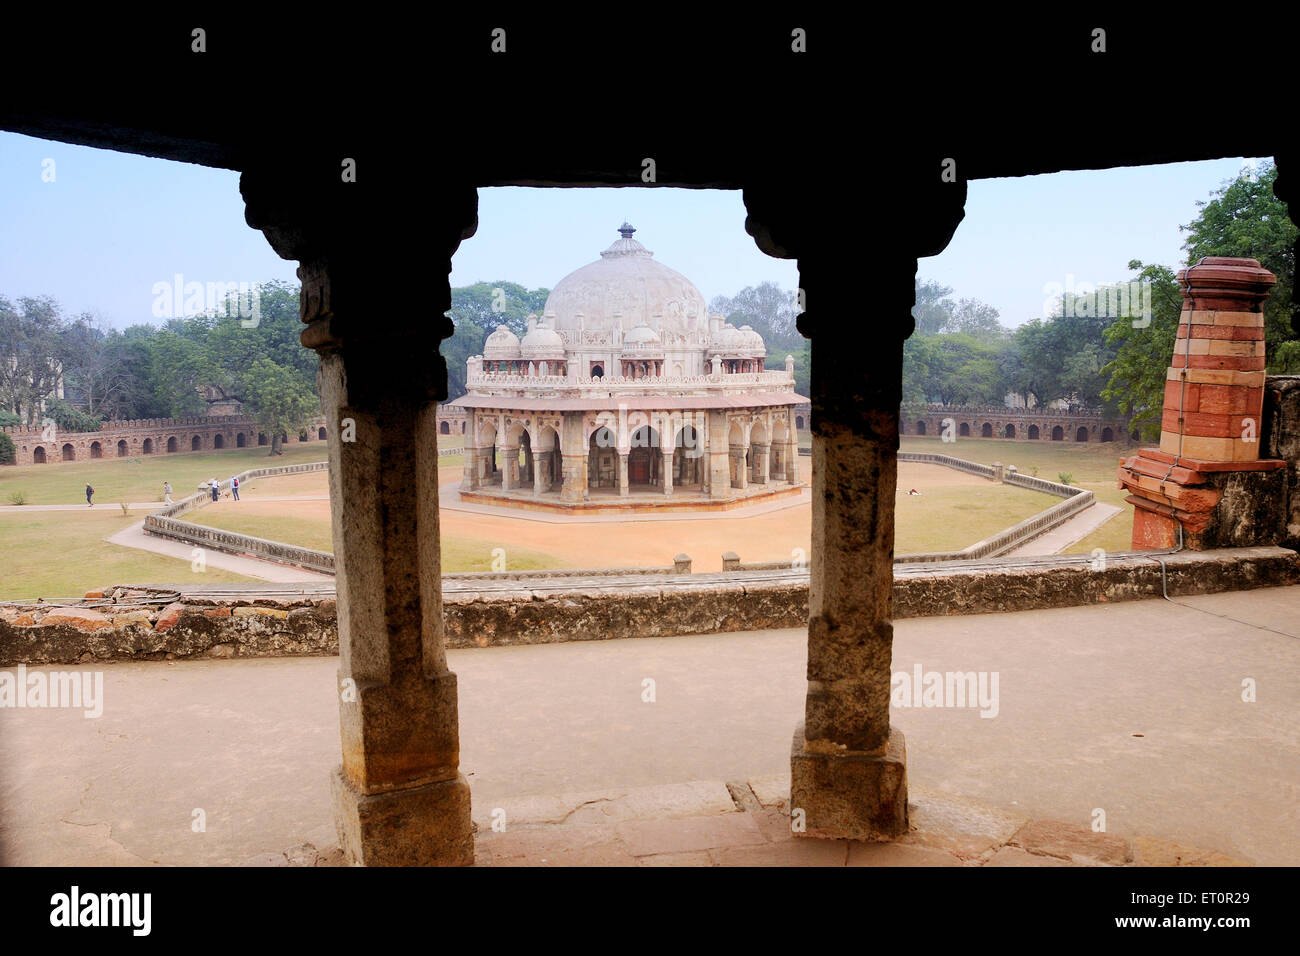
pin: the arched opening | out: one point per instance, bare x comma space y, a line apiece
1009, 431
218, 441
602, 459
1033, 433
644, 459
261, 438
798, 423
487, 455
1081, 434
759, 454
122, 449
320, 432
546, 460
69, 453
986, 431
920, 428
1135, 436
444, 428
462, 430
1058, 433
96, 450
738, 455
196, 443
241, 440
303, 436
964, 430
519, 459
598, 371
38, 455
688, 454
147, 447
171, 445
1107, 434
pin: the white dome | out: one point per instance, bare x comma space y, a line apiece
542, 343
624, 288
501, 344
752, 340
641, 334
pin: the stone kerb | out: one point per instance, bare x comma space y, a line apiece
165, 523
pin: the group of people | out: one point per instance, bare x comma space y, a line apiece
215, 485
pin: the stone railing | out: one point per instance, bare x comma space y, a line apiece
771, 378
165, 523
984, 471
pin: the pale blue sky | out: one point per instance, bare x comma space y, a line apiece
111, 225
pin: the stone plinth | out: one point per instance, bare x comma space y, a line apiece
1207, 476
847, 794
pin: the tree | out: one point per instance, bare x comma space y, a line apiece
278, 399
476, 311
1136, 375
770, 311
30, 369
1246, 219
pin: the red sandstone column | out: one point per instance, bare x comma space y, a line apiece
1213, 403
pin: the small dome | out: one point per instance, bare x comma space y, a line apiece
641, 334
751, 340
501, 344
542, 342
726, 339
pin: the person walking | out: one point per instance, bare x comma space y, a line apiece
90, 496
167, 492
216, 489
234, 487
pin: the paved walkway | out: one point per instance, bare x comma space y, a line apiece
1134, 709
1068, 533
135, 537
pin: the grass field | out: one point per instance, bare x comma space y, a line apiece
140, 479
1093, 466
59, 554
63, 553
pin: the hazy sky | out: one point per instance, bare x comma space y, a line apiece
111, 225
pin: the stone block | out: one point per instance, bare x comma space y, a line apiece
420, 826
83, 619
850, 795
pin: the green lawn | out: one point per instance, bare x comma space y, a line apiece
1093, 465
61, 554
952, 518
140, 479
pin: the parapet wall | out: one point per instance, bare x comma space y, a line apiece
143, 624
136, 438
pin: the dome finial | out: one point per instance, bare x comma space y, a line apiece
626, 230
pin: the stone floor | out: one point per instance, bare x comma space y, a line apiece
1132, 709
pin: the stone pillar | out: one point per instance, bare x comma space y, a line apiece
682, 563
469, 469
539, 473
741, 468
848, 766
573, 459
792, 464
1207, 477
719, 461
763, 453
622, 474
508, 457
399, 797
668, 472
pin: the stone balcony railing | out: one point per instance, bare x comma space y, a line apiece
491, 382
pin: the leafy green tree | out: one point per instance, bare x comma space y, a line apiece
30, 366
70, 419
1136, 375
1244, 218
278, 399
7, 453
770, 311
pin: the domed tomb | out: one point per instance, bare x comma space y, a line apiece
624, 288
